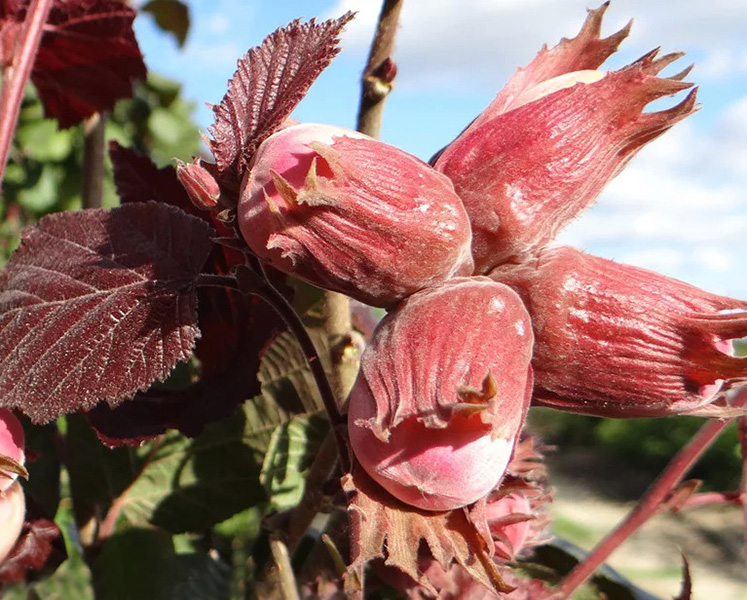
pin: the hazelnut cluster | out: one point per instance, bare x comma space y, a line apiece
484, 318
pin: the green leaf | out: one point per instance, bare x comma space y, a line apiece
98, 475
292, 448
171, 16
43, 484
285, 375
240, 534
41, 140
172, 132
174, 482
165, 125
14, 175
136, 563
189, 485
202, 577
159, 90
73, 578
43, 192
245, 525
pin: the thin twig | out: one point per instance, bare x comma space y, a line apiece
651, 503
380, 70
94, 154
212, 280
707, 498
337, 324
17, 73
285, 571
319, 473
252, 279
283, 308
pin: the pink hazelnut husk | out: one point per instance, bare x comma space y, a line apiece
12, 443
201, 187
558, 132
12, 502
349, 213
613, 340
442, 393
12, 517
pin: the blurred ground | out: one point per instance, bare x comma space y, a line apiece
592, 496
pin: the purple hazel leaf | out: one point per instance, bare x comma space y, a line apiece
39, 551
233, 328
138, 179
96, 305
269, 82
88, 57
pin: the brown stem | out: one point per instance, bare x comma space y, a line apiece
252, 279
94, 153
285, 571
17, 73
319, 473
652, 501
343, 353
286, 312
212, 280
378, 76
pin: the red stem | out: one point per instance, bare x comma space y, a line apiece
714, 498
742, 429
651, 503
106, 528
17, 73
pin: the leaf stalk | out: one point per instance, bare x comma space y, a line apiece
652, 502
17, 73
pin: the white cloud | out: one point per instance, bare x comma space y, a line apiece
680, 207
481, 42
218, 24
723, 63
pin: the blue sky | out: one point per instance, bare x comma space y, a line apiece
680, 207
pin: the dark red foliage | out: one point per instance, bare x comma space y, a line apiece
39, 551
269, 82
88, 57
229, 376
234, 329
138, 179
96, 305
